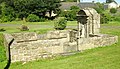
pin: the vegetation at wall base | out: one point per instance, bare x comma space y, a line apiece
2, 49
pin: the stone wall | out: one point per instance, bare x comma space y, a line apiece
28, 46
98, 41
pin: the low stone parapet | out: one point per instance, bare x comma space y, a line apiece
98, 41
34, 48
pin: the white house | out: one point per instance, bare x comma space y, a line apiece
111, 5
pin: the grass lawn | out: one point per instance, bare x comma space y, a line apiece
39, 27
49, 22
98, 58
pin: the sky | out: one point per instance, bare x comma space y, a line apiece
118, 1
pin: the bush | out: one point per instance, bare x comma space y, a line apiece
113, 10
60, 23
41, 19
33, 18
7, 18
103, 19
24, 28
106, 17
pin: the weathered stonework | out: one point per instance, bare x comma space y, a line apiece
33, 50
31, 46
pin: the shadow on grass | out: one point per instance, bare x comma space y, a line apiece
9, 58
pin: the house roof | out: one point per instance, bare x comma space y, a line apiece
67, 5
110, 3
87, 5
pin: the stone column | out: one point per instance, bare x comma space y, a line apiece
79, 30
87, 29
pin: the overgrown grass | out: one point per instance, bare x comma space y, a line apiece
2, 49
98, 58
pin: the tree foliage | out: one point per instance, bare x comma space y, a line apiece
100, 7
22, 8
70, 14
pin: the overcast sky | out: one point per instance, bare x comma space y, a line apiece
118, 1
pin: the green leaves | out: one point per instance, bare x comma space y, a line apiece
60, 23
22, 8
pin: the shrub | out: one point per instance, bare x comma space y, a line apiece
106, 17
113, 10
60, 23
41, 19
24, 28
103, 19
7, 18
33, 18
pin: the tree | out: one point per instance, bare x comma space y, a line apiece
7, 12
23, 8
52, 5
100, 7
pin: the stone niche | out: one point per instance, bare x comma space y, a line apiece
88, 22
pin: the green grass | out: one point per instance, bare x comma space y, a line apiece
2, 49
98, 58
49, 22
33, 26
27, 23
71, 23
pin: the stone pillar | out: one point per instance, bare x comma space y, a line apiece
79, 29
83, 31
87, 29
96, 24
